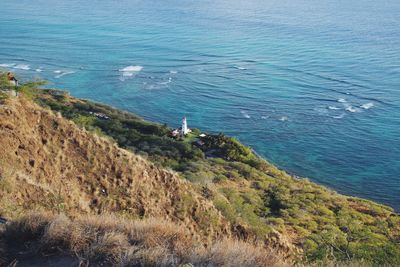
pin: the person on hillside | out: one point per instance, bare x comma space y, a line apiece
12, 79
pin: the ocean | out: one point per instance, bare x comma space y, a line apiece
313, 86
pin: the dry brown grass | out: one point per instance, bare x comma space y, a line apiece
48, 163
230, 252
118, 242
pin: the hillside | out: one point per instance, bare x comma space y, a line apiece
48, 164
55, 165
71, 156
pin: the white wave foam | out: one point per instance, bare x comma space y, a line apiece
61, 74
239, 68
22, 67
38, 70
131, 69
342, 100
173, 71
166, 82
283, 118
7, 65
333, 108
352, 109
127, 74
264, 117
339, 116
245, 114
367, 105
57, 71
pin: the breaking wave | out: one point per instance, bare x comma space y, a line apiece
22, 67
131, 69
367, 105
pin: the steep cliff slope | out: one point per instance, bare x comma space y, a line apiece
48, 163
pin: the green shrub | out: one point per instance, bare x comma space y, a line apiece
30, 89
226, 147
86, 121
225, 207
3, 97
220, 178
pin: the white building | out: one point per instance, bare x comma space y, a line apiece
181, 131
184, 129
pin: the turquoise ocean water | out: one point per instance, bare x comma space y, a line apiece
314, 86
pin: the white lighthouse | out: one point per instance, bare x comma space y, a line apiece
184, 129
181, 131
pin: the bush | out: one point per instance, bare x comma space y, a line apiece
226, 147
3, 97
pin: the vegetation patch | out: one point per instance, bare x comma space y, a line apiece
110, 241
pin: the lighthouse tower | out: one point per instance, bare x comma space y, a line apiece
184, 130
